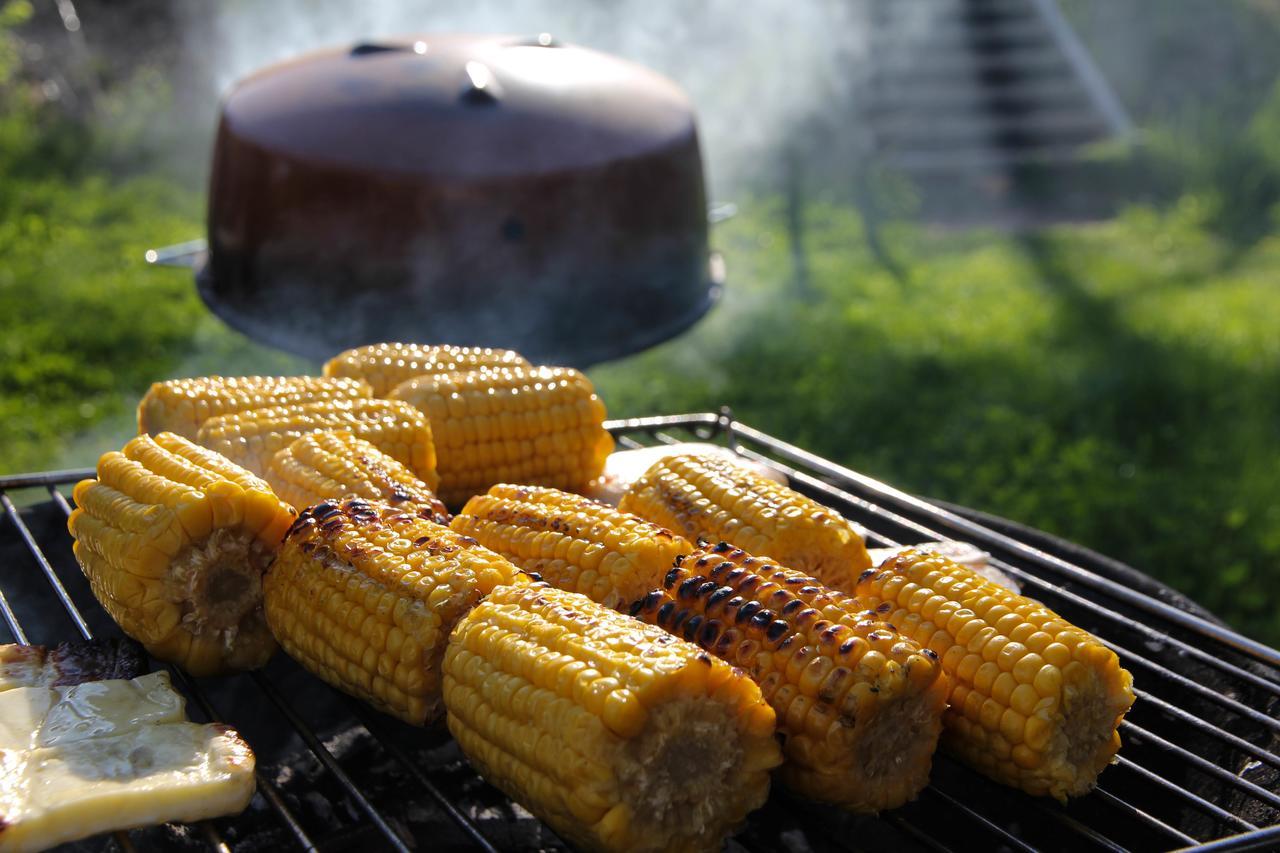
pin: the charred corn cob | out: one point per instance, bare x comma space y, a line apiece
180, 406
860, 705
704, 496
250, 438
615, 733
364, 595
1035, 701
537, 425
174, 539
573, 543
330, 465
384, 366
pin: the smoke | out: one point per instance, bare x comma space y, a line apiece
756, 70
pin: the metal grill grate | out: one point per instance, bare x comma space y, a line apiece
1200, 766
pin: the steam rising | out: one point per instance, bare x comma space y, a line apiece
755, 69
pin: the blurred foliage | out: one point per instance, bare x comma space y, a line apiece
86, 326
1112, 383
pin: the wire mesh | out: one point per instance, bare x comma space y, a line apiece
1199, 766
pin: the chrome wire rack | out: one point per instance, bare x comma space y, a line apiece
1200, 766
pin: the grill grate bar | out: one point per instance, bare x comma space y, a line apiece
58, 589
193, 690
1192, 720
1199, 689
915, 832
1057, 815
11, 620
1205, 766
331, 764
1138, 814
1193, 800
1008, 838
415, 769
1265, 839
1134, 598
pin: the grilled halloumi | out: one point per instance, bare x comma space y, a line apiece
77, 760
71, 662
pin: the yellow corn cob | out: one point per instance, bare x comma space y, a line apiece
250, 438
174, 540
615, 733
384, 366
538, 425
1035, 701
364, 595
180, 406
573, 543
325, 466
705, 496
860, 705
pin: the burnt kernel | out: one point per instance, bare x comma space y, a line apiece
810, 590
806, 615
703, 562
680, 616
776, 629
884, 607
710, 631
679, 561
687, 587
786, 644
749, 583
722, 567
722, 548
719, 595
736, 601
733, 576
671, 577
796, 581
421, 540
737, 554
830, 635
664, 612
879, 636
892, 627
323, 510
792, 606
703, 657
747, 610
727, 639
761, 619
821, 625
651, 600
690, 629
930, 654
705, 589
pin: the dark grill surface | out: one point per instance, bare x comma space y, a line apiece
1199, 766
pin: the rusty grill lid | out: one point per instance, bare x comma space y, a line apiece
488, 190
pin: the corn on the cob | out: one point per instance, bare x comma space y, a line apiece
364, 595
325, 466
615, 733
573, 543
250, 438
860, 705
384, 366
180, 406
705, 496
539, 426
1035, 701
174, 540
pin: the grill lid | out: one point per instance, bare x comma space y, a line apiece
482, 190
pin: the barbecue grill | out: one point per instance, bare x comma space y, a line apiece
1200, 766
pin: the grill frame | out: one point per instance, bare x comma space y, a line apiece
1114, 600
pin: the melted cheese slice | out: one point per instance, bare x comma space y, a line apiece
79, 760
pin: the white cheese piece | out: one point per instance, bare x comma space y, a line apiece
964, 553
626, 466
32, 717
174, 771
